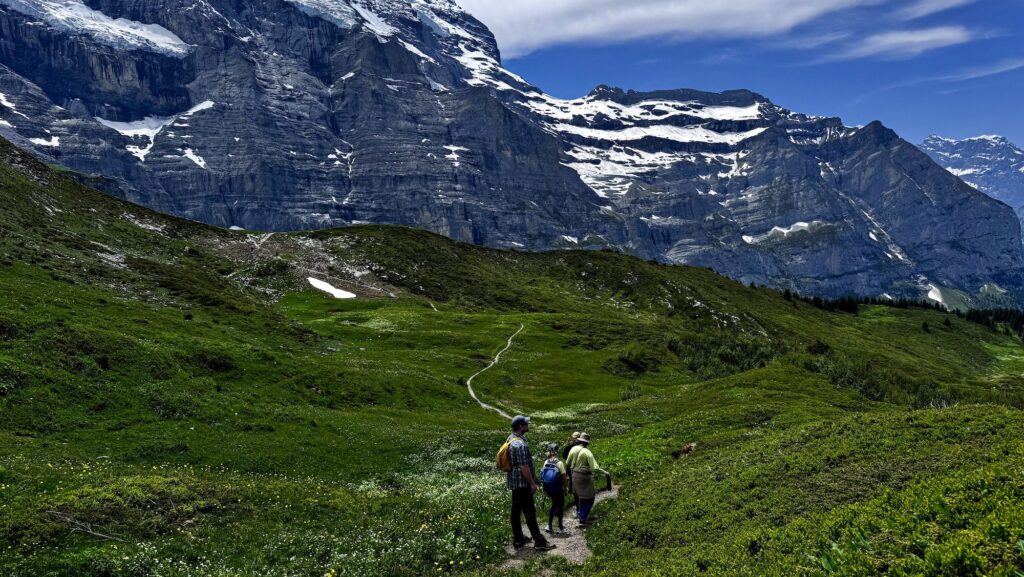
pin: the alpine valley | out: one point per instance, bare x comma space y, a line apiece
431, 245
281, 115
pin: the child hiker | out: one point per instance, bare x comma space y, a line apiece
555, 480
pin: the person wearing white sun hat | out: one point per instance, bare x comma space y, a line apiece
584, 467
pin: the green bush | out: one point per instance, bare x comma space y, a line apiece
137, 507
630, 392
11, 378
170, 402
214, 360
819, 348
720, 354
636, 359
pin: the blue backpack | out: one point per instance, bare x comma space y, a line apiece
551, 477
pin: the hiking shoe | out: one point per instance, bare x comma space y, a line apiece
517, 545
562, 531
547, 529
544, 546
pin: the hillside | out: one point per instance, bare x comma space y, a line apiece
178, 400
290, 115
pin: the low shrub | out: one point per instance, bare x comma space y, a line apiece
721, 354
630, 392
138, 507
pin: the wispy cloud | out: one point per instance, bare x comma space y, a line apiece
1000, 67
812, 41
523, 26
923, 8
898, 44
961, 75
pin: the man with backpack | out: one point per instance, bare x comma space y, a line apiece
515, 459
554, 479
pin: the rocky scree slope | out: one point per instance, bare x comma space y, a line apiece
301, 114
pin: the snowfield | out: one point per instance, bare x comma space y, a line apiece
52, 142
150, 127
783, 232
8, 104
77, 18
664, 132
327, 288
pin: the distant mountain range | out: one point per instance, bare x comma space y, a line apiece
992, 164
299, 114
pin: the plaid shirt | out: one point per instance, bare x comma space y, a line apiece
519, 454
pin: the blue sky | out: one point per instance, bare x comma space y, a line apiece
948, 67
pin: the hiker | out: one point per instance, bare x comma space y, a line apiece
521, 481
584, 467
573, 441
555, 481
570, 457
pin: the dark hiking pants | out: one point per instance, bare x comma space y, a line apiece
557, 509
522, 506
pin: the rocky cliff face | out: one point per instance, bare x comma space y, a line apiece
991, 164
294, 114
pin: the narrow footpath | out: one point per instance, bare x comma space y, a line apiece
494, 361
572, 546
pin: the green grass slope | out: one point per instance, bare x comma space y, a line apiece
176, 400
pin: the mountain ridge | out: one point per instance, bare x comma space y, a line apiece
990, 163
338, 113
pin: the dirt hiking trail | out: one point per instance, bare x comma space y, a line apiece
573, 547
494, 361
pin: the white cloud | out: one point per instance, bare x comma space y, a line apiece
1000, 67
961, 75
923, 8
523, 26
905, 43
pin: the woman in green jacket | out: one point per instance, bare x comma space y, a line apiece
584, 467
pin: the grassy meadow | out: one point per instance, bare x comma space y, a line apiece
176, 400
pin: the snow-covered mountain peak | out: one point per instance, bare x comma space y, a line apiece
293, 114
989, 163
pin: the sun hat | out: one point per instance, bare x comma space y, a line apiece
584, 438
552, 447
519, 421
576, 435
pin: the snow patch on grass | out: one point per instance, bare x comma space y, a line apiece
327, 288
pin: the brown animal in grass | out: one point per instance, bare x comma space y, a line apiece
686, 450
